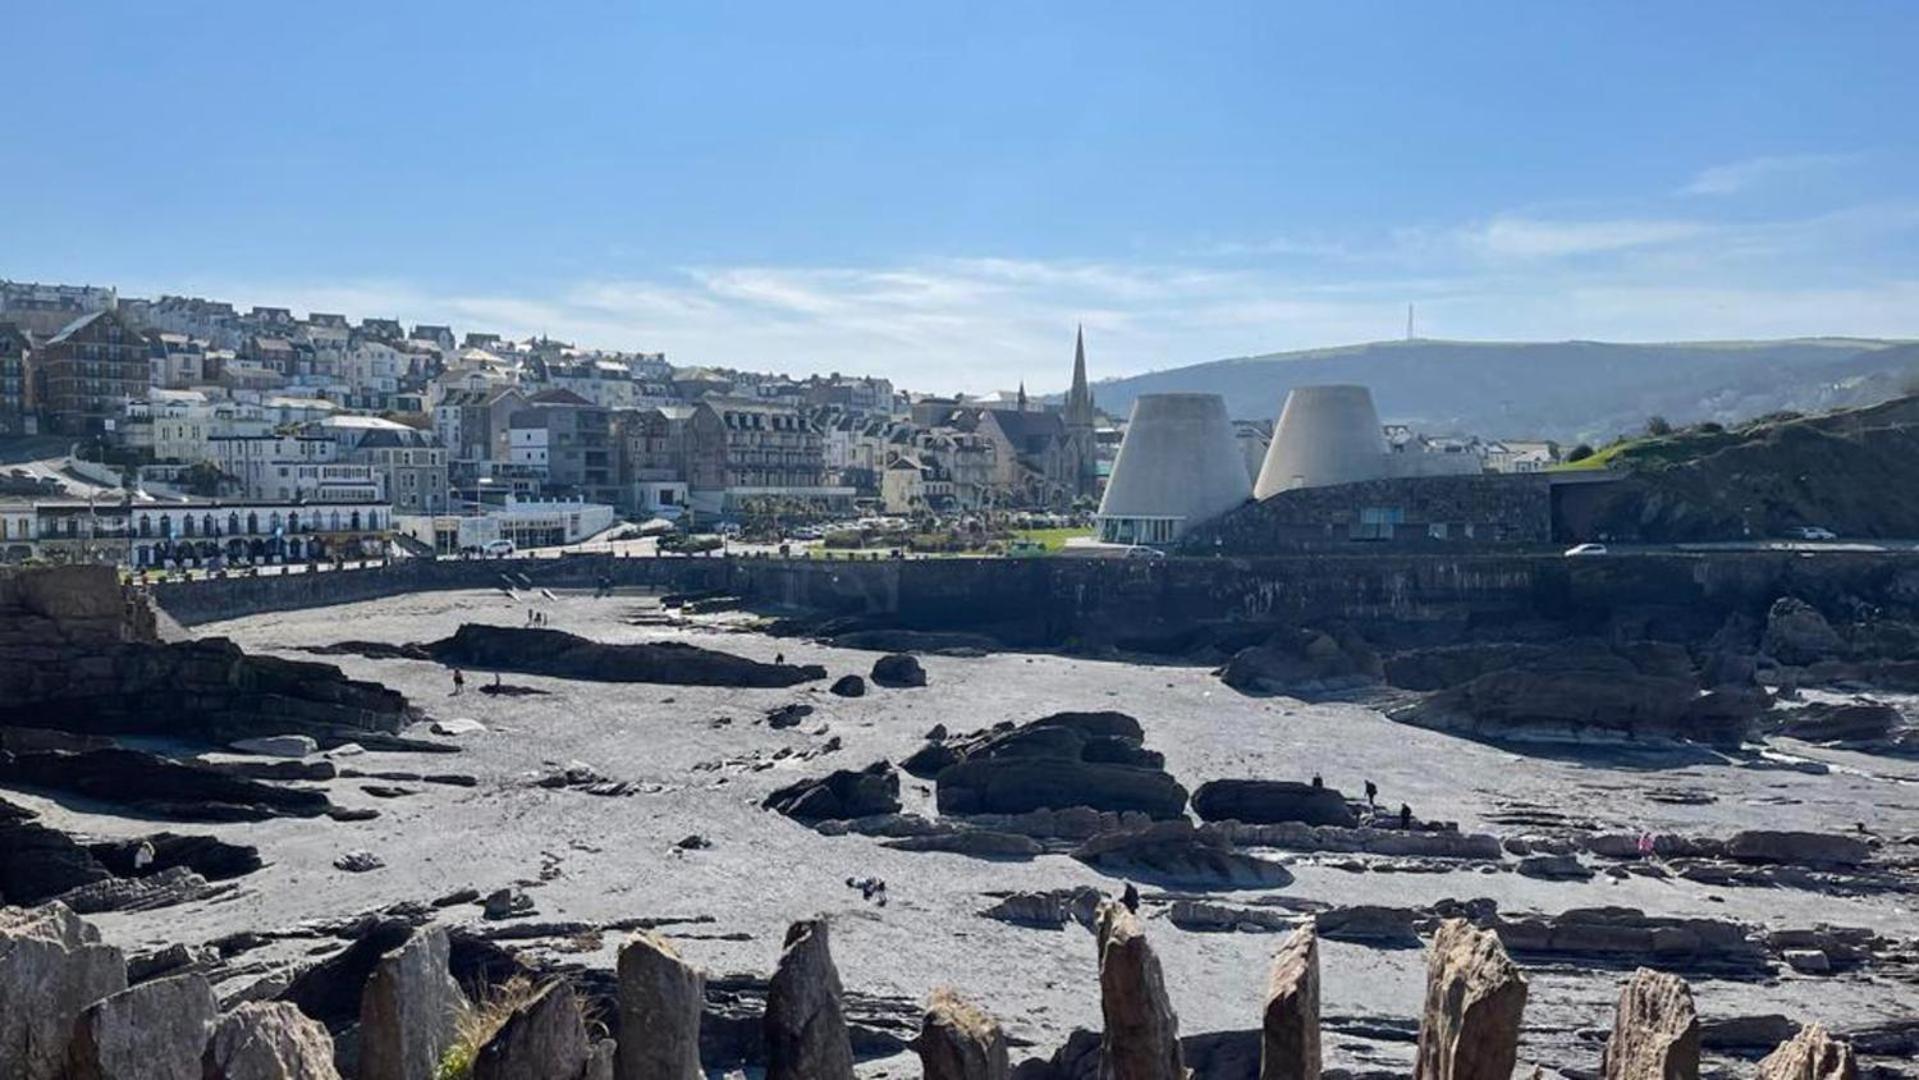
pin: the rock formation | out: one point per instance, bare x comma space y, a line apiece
957, 1041
1813, 1054
1141, 1036
898, 671
154, 1031
409, 1010
534, 651
1797, 634
660, 998
1655, 1033
544, 1038
1266, 802
159, 785
1300, 660
805, 1025
52, 966
1289, 1029
848, 686
1175, 854
844, 793
1474, 997
1065, 760
269, 1040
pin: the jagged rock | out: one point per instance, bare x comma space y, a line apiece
1204, 916
788, 715
358, 862
1264, 802
176, 959
805, 1024
1845, 722
848, 686
1474, 997
1051, 910
1110, 738
409, 1010
840, 794
535, 651
1303, 661
1797, 634
1141, 1037
208, 856
174, 885
1801, 848
1174, 853
159, 786
52, 966
957, 1041
290, 746
1563, 867
269, 1040
542, 1039
1293, 836
1655, 1033
458, 725
1371, 924
1016, 785
38, 863
154, 1031
1813, 1054
279, 769
660, 998
507, 902
898, 671
1289, 1039
1627, 935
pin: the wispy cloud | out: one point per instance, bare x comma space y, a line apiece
1532, 238
1739, 176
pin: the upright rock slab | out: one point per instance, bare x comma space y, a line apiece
1289, 1030
1813, 1054
544, 1039
1655, 1034
409, 1010
960, 1042
806, 1037
660, 1000
52, 966
1474, 999
269, 1040
154, 1031
1141, 1038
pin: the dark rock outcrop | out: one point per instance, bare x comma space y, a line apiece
1141, 1036
805, 1022
38, 863
544, 1038
897, 671
1474, 998
1797, 848
848, 686
660, 997
1174, 853
159, 785
845, 793
1064, 760
1797, 634
1840, 722
556, 653
1303, 661
958, 1041
1265, 802
1289, 1026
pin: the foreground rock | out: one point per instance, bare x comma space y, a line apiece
269, 1040
1813, 1054
52, 966
542, 1039
1267, 802
534, 651
154, 1031
1141, 1037
1289, 1027
842, 794
898, 671
409, 1010
957, 1041
1474, 998
805, 1023
660, 998
1655, 1033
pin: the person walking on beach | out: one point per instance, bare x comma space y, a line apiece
459, 682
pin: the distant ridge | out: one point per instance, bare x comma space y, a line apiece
1564, 390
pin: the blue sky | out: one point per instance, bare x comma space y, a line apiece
939, 192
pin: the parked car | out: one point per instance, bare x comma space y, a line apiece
497, 549
1578, 550
1813, 532
1141, 551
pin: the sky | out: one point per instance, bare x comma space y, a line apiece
940, 193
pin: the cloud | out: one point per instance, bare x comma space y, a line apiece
1739, 176
1531, 238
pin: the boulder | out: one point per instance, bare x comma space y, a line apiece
848, 686
660, 998
1813, 1054
1175, 854
409, 1010
290, 746
1560, 867
1800, 848
544, 1038
536, 651
897, 671
1302, 660
458, 725
52, 966
805, 1023
154, 1031
1469, 1029
1655, 1033
1015, 785
958, 1041
1289, 1027
1141, 1036
845, 793
1265, 802
1797, 634
269, 1040
1846, 721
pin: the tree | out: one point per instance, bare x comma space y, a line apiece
1580, 453
1657, 426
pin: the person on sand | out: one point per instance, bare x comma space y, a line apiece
779, 658
1405, 816
459, 682
1372, 793
1130, 897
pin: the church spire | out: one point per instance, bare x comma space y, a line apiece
1022, 395
1079, 401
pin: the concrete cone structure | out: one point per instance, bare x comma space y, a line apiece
1325, 435
1178, 466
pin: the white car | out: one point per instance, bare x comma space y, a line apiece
1585, 549
1814, 532
1141, 551
497, 549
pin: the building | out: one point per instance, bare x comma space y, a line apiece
290, 465
177, 361
16, 382
566, 441
90, 370
411, 463
528, 523
196, 533
666, 451
1178, 468
44, 309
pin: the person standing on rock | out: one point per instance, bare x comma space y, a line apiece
1405, 816
1372, 793
1319, 782
459, 682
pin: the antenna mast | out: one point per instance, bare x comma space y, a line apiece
1409, 322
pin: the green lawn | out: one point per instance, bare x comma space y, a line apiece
1053, 539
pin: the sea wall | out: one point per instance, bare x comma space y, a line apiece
1135, 602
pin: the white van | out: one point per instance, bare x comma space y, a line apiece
497, 549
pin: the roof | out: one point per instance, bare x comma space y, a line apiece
557, 397
74, 327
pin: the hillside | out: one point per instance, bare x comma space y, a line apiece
1567, 390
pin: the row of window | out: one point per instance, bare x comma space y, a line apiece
292, 522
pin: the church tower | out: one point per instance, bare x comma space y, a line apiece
1078, 416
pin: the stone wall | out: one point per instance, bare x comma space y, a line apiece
1437, 514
